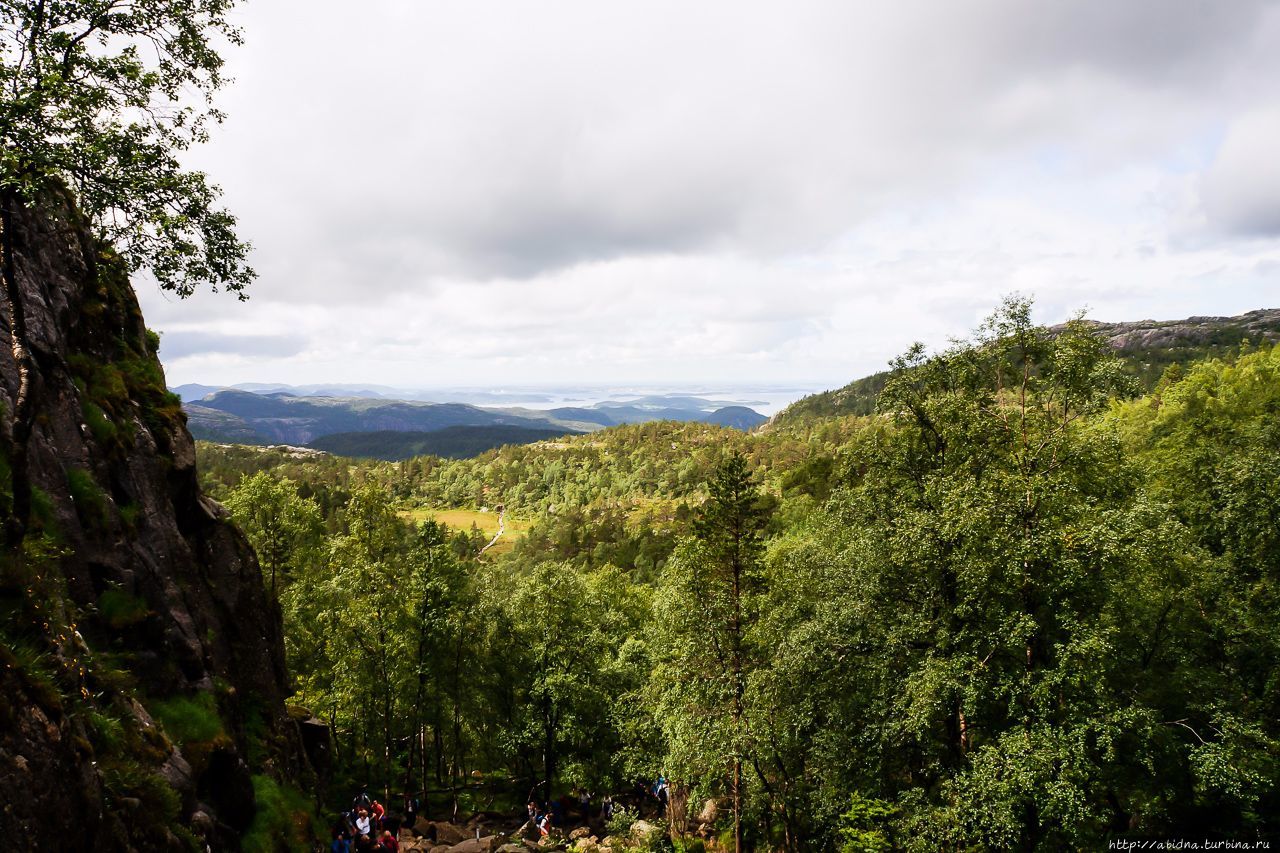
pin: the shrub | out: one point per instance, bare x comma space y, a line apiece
189, 719
620, 823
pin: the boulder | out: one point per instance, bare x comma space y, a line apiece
580, 832
447, 833
416, 845
476, 845
709, 812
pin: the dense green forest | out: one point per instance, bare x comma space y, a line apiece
1026, 603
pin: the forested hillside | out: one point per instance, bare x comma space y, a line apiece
1022, 604
1146, 349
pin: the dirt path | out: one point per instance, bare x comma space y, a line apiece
502, 526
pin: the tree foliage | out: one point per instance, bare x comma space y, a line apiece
104, 96
1019, 607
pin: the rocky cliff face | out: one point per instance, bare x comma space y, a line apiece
141, 663
1258, 326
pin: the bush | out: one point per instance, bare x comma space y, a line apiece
189, 719
620, 823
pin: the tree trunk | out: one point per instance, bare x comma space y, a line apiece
737, 804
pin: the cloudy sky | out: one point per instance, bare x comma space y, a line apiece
500, 193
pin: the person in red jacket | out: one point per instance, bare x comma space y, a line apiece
377, 812
389, 842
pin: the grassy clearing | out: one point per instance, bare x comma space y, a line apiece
462, 519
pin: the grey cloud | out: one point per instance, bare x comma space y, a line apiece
183, 344
1241, 190
489, 140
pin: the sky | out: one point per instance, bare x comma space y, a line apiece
510, 193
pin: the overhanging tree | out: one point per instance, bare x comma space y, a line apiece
99, 98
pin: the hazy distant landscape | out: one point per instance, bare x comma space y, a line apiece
389, 423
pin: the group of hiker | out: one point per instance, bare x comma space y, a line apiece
367, 828
547, 816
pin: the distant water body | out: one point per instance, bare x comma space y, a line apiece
765, 399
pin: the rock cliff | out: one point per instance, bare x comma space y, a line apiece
141, 663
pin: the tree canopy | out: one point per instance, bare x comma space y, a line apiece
104, 96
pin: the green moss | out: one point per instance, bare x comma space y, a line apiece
90, 501
44, 512
285, 819
102, 381
189, 719
103, 429
119, 609
129, 515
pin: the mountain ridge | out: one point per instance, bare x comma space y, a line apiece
1148, 348
277, 417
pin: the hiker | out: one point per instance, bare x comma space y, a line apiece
389, 842
663, 796
340, 843
532, 810
363, 824
584, 802
361, 799
412, 805
544, 824
376, 813
557, 813
365, 844
606, 807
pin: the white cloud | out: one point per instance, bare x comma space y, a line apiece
493, 192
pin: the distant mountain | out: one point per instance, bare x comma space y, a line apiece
194, 391
737, 417
267, 416
455, 442
279, 418
573, 413
1147, 347
621, 414
209, 424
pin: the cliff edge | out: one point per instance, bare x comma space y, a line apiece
142, 672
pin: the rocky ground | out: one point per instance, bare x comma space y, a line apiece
476, 837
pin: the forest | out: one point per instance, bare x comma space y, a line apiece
1022, 604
